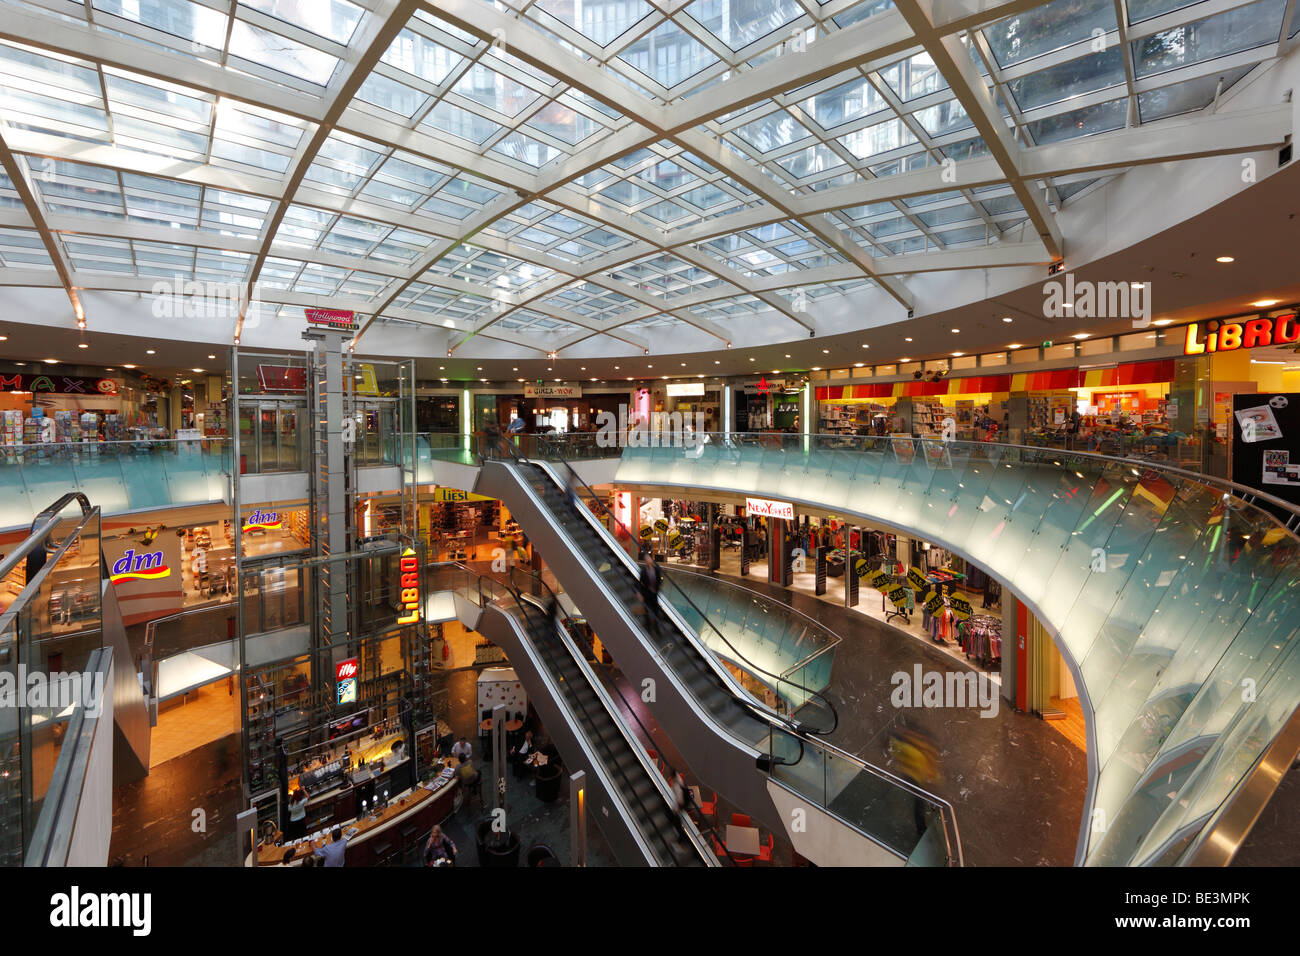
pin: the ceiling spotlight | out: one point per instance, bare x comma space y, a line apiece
905, 359
826, 351
1164, 321
1006, 318
4, 338
51, 361
649, 366
1014, 346
236, 340
751, 358
683, 365
448, 353
1265, 303
83, 345
907, 340
516, 380
865, 345
616, 368
479, 369
776, 371
816, 368
1080, 335
1225, 259
128, 366
787, 354
715, 362
728, 345
956, 330
958, 354
647, 352
859, 364
515, 369
196, 370
148, 351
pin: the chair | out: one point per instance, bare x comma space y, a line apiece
386, 854
718, 848
765, 850
473, 790
709, 808
538, 854
740, 820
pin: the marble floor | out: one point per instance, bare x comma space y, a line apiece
1016, 784
201, 716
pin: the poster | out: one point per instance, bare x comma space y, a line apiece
1278, 469
936, 454
904, 449
1258, 423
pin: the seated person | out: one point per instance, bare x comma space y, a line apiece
439, 847
526, 748
332, 853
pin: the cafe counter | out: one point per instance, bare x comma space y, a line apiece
379, 838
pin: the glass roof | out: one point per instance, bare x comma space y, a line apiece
546, 169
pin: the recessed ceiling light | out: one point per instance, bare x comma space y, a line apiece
651, 366
83, 345
482, 380
865, 345
442, 380
787, 354
816, 368
776, 371
148, 351
1164, 321
1265, 303
616, 368
1014, 346
515, 369
751, 358
958, 354
4, 338
1006, 318
826, 351
956, 330
128, 366
593, 380
196, 370
905, 359
519, 380
51, 361
1080, 335
479, 369
859, 364
629, 378
1225, 259
907, 340
211, 356
715, 362
683, 365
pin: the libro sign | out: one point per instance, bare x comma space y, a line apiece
765, 508
1216, 336
410, 571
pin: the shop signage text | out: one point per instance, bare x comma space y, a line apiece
345, 681
139, 567
1229, 336
410, 570
552, 391
58, 384
282, 378
766, 508
685, 389
265, 520
332, 318
446, 495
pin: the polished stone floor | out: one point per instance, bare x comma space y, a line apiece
1016, 786
1275, 838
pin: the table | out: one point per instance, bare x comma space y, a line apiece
512, 726
486, 726
742, 840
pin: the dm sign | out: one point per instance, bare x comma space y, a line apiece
139, 567
262, 521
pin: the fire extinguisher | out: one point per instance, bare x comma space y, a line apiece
446, 651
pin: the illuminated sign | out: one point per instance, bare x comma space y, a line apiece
139, 567
332, 318
58, 384
762, 507
447, 495
264, 520
686, 389
282, 378
345, 677
1229, 336
410, 570
552, 391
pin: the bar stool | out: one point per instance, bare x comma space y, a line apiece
386, 854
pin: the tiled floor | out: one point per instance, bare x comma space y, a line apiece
1016, 785
202, 716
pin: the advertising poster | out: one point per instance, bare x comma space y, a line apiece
904, 448
1265, 443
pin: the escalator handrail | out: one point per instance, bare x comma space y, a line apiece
643, 758
768, 715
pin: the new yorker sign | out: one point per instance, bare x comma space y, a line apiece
1218, 336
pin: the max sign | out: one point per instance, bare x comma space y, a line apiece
1228, 336
410, 601
139, 567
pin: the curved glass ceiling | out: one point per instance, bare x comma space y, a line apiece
547, 172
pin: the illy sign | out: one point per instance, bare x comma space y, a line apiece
346, 669
766, 508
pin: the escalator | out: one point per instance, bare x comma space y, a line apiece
768, 763
645, 828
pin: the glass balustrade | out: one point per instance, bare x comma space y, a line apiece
1169, 591
119, 477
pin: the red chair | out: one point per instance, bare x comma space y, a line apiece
709, 808
765, 850
654, 754
740, 820
719, 849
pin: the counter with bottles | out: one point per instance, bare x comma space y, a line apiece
377, 836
